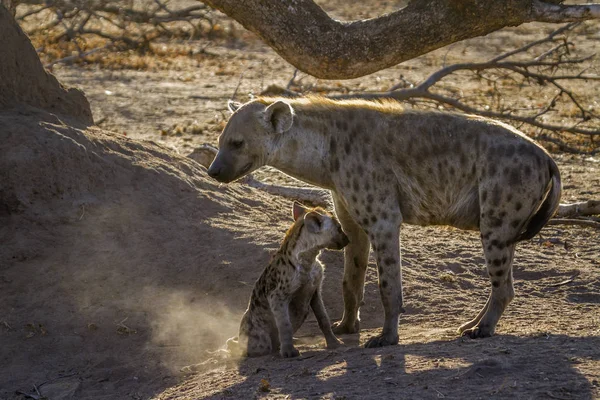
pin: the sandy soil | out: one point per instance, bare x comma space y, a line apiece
122, 283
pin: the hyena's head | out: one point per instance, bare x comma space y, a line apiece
320, 230
249, 138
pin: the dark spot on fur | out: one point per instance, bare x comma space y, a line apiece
452, 171
384, 215
365, 153
380, 269
483, 197
509, 197
515, 223
504, 259
497, 262
389, 260
335, 165
514, 178
495, 222
384, 283
496, 195
347, 147
495, 283
518, 206
356, 264
369, 209
370, 198
492, 170
509, 150
496, 243
373, 219
365, 221
332, 145
500, 272
527, 171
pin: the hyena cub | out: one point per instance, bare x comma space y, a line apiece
289, 285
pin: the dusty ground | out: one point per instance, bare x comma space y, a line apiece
112, 297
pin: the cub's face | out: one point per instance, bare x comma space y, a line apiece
321, 229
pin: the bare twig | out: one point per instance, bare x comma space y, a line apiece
590, 207
77, 56
129, 24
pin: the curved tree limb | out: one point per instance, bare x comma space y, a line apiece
304, 35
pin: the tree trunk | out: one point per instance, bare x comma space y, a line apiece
304, 35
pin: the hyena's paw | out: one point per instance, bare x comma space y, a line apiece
381, 341
289, 352
342, 328
334, 343
478, 332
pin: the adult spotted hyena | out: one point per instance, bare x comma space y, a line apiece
385, 166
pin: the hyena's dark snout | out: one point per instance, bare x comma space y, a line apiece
218, 171
339, 242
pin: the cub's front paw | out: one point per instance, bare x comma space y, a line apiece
289, 352
334, 343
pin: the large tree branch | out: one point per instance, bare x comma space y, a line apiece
303, 34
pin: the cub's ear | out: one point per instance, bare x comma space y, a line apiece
280, 115
233, 106
298, 210
313, 222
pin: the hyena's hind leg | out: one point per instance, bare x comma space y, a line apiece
499, 255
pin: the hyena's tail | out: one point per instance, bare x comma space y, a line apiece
547, 208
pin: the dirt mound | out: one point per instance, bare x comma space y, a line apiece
116, 255
23, 79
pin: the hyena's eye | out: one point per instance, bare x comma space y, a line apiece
236, 144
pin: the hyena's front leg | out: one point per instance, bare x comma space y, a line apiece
316, 303
385, 238
356, 258
281, 313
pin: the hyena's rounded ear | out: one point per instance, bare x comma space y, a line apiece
312, 222
298, 210
280, 115
233, 106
